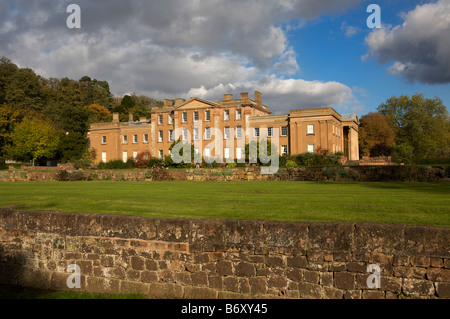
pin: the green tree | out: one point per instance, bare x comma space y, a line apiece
9, 118
7, 71
34, 139
421, 127
72, 146
23, 91
376, 136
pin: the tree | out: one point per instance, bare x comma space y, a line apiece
72, 146
23, 90
376, 136
34, 139
125, 105
421, 126
9, 118
7, 71
97, 113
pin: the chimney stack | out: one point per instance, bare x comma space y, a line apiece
227, 97
168, 102
258, 98
115, 117
130, 117
244, 96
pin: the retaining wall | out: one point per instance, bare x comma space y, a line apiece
339, 173
186, 258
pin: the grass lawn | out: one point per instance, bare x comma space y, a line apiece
403, 203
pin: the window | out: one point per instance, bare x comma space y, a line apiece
135, 153
270, 132
160, 154
160, 136
238, 132
284, 131
310, 128
195, 116
124, 157
207, 133
207, 152
227, 133
145, 138
170, 119
125, 139
170, 135
227, 153
184, 117
104, 157
185, 133
196, 134
284, 150
310, 148
207, 116
135, 139
160, 119
103, 139
238, 153
238, 114
256, 132
226, 115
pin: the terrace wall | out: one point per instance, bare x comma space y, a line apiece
339, 173
186, 258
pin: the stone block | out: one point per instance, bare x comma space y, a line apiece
224, 268
373, 294
418, 287
443, 289
311, 276
310, 291
244, 269
297, 261
344, 280
258, 285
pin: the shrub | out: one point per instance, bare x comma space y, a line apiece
65, 176
62, 176
116, 164
231, 165
83, 163
323, 158
155, 163
75, 176
291, 163
142, 159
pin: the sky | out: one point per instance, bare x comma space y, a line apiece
297, 53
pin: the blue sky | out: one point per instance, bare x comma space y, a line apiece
326, 53
298, 53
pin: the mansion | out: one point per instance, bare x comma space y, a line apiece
221, 129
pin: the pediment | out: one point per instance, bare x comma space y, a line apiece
196, 103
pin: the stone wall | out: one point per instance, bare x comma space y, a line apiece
185, 258
338, 173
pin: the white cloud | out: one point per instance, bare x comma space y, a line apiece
173, 48
420, 47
